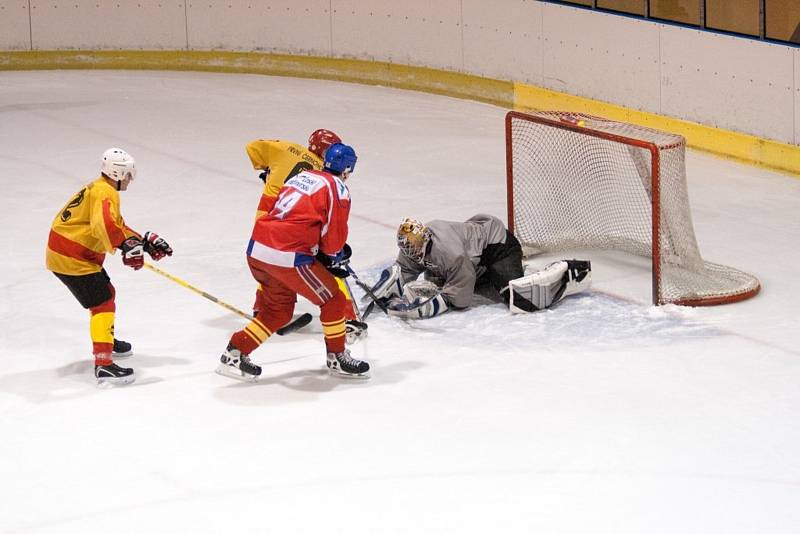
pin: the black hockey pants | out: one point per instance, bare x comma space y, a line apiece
503, 262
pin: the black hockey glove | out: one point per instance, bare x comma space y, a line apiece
156, 246
133, 253
337, 264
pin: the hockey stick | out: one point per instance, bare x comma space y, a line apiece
297, 323
359, 320
368, 310
368, 291
200, 292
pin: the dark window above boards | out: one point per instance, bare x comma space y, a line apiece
772, 20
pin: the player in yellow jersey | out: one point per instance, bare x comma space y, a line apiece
280, 160
83, 231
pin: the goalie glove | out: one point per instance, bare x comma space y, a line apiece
548, 286
156, 246
420, 300
132, 252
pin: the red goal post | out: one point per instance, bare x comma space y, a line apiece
576, 181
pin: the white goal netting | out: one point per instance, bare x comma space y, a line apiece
577, 181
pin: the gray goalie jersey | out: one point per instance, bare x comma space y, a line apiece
454, 254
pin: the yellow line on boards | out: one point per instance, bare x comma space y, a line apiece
726, 143
425, 79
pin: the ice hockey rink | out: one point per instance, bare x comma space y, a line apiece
602, 415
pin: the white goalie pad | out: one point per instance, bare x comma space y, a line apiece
421, 299
390, 284
542, 289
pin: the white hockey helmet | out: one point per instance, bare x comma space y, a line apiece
413, 238
118, 164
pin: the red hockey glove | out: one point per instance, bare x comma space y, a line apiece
133, 252
156, 246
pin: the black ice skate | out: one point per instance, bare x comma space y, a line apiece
237, 365
113, 374
122, 349
342, 364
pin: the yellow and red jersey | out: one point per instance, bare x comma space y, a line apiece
283, 160
85, 229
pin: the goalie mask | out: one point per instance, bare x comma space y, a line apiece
413, 238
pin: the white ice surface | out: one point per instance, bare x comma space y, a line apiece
604, 415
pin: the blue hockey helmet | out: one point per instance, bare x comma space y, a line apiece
340, 158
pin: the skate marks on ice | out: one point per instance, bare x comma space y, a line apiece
276, 387
35, 107
76, 379
594, 320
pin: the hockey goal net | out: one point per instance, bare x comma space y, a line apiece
578, 182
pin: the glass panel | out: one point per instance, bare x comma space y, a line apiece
683, 11
783, 20
740, 16
635, 7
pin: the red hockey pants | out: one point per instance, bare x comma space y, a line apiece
275, 304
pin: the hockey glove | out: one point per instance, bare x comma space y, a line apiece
337, 264
133, 252
156, 246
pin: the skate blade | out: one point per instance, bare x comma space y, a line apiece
236, 374
122, 354
340, 374
108, 381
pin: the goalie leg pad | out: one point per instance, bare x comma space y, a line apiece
417, 309
390, 284
546, 287
421, 300
580, 276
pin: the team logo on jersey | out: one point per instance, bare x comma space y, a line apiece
74, 203
344, 192
306, 183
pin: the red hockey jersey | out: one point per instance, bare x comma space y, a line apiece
309, 216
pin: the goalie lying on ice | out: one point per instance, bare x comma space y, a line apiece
459, 258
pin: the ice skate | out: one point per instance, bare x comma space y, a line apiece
113, 374
234, 364
342, 364
122, 349
355, 331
